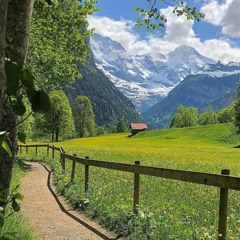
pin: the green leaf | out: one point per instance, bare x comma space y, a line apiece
15, 188
18, 196
5, 238
6, 147
136, 9
15, 206
27, 79
22, 137
1, 220
3, 137
12, 74
3, 132
19, 107
40, 101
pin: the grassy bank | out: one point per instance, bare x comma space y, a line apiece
169, 209
16, 224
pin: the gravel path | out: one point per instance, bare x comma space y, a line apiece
49, 215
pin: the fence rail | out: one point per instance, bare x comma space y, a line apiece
222, 181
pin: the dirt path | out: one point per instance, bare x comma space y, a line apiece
50, 215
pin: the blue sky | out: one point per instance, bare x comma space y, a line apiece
218, 36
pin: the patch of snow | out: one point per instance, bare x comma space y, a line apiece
145, 79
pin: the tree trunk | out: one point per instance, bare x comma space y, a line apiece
18, 26
57, 134
53, 133
3, 25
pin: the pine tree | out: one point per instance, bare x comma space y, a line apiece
122, 127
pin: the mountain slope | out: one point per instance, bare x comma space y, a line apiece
199, 91
145, 79
109, 104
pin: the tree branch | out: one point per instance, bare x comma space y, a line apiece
20, 122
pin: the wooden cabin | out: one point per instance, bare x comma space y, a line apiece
137, 127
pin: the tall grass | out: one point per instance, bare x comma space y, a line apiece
168, 209
16, 224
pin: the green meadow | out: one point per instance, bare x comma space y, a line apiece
169, 209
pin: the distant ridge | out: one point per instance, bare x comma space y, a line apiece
201, 91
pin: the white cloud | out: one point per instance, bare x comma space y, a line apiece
120, 31
179, 31
177, 28
225, 15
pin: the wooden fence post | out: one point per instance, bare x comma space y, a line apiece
223, 209
36, 149
73, 168
26, 149
20, 149
48, 150
136, 190
52, 151
63, 163
86, 175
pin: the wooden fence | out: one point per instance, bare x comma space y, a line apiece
223, 181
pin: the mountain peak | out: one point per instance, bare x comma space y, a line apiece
186, 50
106, 42
192, 59
183, 52
145, 79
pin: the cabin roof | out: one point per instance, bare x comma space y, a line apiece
136, 126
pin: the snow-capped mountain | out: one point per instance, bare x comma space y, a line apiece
221, 70
214, 85
146, 79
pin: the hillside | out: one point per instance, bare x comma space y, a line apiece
109, 104
198, 91
145, 79
210, 135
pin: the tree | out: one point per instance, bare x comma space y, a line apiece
184, 117
226, 115
208, 117
60, 116
237, 114
84, 116
112, 129
41, 127
122, 127
100, 130
27, 119
15, 17
152, 19
58, 41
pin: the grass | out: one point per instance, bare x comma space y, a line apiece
168, 209
16, 224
